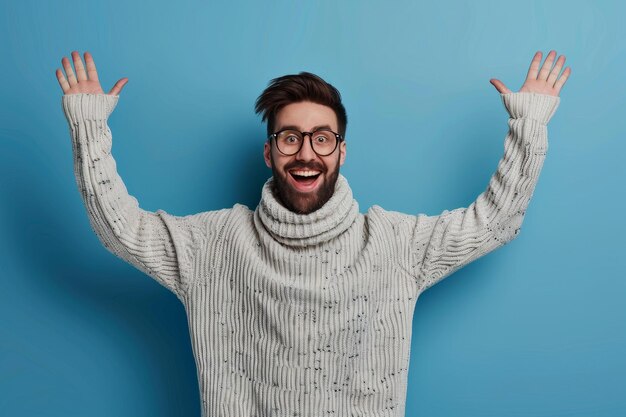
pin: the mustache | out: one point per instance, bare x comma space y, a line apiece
314, 167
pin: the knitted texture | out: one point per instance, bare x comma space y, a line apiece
303, 315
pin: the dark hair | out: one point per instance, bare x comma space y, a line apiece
295, 88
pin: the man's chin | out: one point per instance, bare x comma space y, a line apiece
305, 201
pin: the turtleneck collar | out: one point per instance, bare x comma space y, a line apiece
301, 230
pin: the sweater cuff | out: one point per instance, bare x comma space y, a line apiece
84, 106
540, 107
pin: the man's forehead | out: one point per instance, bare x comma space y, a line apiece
301, 128
306, 115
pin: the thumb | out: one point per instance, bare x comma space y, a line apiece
499, 85
117, 88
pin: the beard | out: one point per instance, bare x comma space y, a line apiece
297, 201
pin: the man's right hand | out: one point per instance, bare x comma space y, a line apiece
83, 82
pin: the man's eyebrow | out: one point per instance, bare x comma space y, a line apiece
298, 128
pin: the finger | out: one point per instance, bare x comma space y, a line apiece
534, 66
556, 70
62, 81
91, 67
69, 72
78, 65
547, 66
561, 81
499, 85
117, 88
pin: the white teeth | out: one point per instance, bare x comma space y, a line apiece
306, 173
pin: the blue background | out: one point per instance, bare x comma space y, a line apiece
536, 328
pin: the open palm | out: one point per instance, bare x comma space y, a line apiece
544, 81
83, 82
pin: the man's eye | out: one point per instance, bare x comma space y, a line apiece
321, 138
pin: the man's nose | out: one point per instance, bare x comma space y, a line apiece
306, 152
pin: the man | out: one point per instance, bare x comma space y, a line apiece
304, 305
289, 104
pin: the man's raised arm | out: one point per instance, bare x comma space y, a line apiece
155, 243
442, 244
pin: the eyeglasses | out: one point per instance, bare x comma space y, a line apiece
289, 141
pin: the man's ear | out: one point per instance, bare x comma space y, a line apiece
342, 153
266, 154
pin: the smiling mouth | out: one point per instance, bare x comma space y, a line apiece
305, 180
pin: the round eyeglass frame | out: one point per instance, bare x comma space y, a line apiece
339, 137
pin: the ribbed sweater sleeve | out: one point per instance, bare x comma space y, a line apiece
156, 243
442, 244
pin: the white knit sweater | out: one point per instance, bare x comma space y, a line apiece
303, 315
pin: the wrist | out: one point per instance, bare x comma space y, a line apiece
88, 106
536, 106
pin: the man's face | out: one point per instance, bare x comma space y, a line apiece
297, 197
